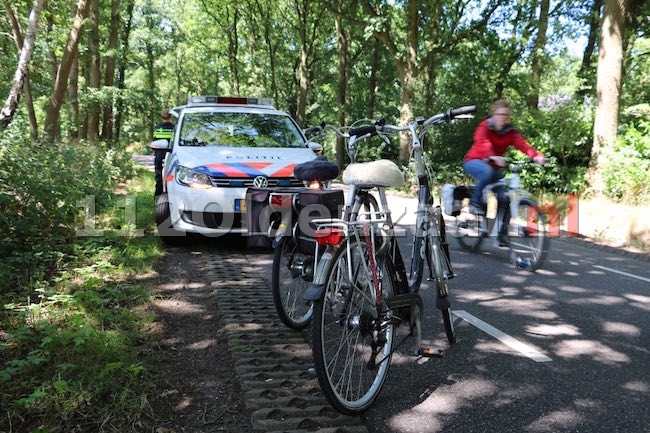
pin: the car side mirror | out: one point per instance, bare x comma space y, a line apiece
317, 148
160, 144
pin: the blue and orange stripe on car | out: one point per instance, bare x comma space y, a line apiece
247, 169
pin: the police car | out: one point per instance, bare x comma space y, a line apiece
221, 146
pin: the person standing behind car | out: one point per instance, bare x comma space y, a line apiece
162, 131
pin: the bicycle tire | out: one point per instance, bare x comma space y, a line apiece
440, 276
471, 230
528, 233
441, 285
290, 278
344, 322
418, 253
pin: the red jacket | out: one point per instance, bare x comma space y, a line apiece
488, 142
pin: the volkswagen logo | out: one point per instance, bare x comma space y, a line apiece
260, 182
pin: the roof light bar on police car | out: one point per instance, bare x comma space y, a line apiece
234, 100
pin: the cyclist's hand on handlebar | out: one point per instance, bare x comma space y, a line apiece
499, 161
540, 159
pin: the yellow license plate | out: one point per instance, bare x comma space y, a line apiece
240, 205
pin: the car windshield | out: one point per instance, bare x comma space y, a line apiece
239, 130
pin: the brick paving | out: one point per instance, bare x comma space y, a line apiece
273, 362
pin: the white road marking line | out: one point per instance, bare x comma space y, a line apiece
622, 273
525, 349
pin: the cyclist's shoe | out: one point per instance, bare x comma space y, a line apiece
503, 240
476, 209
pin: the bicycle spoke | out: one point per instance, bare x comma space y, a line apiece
289, 280
349, 346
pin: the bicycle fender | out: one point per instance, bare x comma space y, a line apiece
314, 292
316, 289
443, 303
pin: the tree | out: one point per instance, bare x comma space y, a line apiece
585, 74
538, 54
109, 70
52, 113
616, 16
20, 75
93, 72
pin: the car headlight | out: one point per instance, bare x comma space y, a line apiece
192, 178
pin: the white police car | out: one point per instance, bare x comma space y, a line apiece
220, 147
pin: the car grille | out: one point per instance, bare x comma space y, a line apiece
211, 220
247, 182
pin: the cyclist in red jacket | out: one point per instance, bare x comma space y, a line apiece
484, 161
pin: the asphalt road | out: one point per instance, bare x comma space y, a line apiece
565, 349
570, 351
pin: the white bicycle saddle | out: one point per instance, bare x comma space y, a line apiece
377, 173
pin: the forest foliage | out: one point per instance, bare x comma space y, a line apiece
85, 104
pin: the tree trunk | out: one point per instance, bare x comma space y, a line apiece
154, 114
342, 93
302, 12
73, 95
608, 89
52, 128
585, 72
233, 53
109, 70
27, 88
11, 103
538, 55
373, 81
94, 72
122, 65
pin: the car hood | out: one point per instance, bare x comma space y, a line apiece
230, 162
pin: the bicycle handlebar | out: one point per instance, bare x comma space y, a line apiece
363, 130
461, 111
381, 125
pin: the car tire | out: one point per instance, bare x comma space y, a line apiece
163, 222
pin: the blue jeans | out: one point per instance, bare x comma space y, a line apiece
484, 174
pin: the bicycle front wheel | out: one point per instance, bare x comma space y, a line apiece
291, 274
471, 230
529, 240
351, 337
440, 270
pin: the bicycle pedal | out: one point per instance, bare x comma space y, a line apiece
430, 353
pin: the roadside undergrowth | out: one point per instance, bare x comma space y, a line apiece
70, 344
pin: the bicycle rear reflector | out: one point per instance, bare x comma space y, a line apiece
280, 201
329, 236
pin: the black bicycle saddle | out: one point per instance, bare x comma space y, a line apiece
319, 169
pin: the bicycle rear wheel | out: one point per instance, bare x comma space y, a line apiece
352, 341
528, 232
291, 274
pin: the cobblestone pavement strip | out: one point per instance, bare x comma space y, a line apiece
273, 362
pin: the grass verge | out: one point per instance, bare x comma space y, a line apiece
71, 349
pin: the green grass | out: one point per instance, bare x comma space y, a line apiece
71, 345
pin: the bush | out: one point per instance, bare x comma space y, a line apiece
627, 172
43, 193
565, 135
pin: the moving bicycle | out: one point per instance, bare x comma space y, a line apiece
361, 290
485, 162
